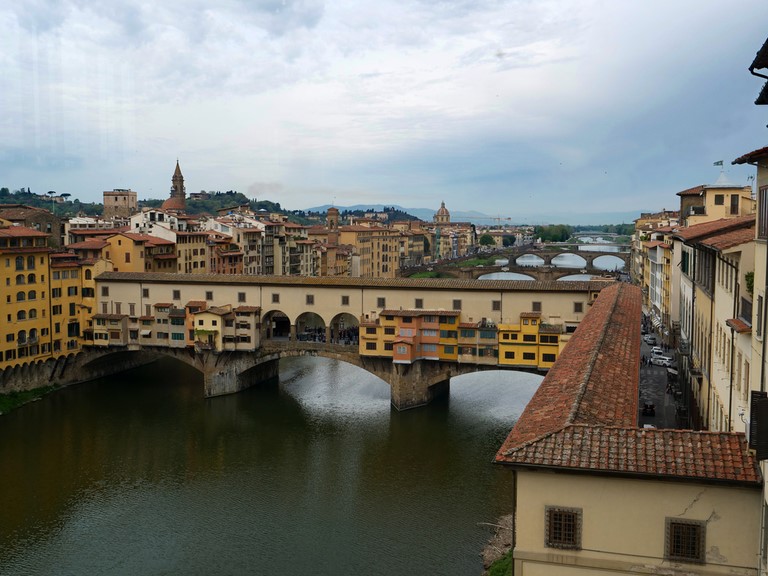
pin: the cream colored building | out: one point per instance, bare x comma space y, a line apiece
595, 494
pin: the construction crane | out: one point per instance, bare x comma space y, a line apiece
496, 219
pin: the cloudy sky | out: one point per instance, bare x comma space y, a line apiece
509, 107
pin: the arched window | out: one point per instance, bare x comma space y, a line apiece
32, 295
33, 334
21, 337
31, 279
20, 279
30, 262
20, 296
87, 274
19, 262
32, 314
21, 315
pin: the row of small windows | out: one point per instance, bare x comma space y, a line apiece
20, 261
684, 540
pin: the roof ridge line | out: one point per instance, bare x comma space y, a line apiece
593, 359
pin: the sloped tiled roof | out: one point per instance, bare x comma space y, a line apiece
752, 156
698, 231
692, 191
730, 239
645, 452
583, 416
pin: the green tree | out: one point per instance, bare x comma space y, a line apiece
487, 240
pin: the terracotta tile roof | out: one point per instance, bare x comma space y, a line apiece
248, 309
655, 244
163, 305
692, 191
704, 456
699, 231
739, 325
752, 156
18, 231
583, 417
196, 303
90, 244
730, 239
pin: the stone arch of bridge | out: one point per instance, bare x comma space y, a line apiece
585, 260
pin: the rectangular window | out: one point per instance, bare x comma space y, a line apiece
72, 310
448, 349
370, 345
509, 355
496, 305
418, 303
562, 528
127, 257
548, 357
389, 330
177, 294
55, 292
759, 318
345, 300
72, 291
56, 310
241, 296
381, 302
734, 204
685, 540
719, 199
275, 298
177, 336
370, 330
529, 356
145, 292
105, 291
536, 306
457, 304
578, 307
762, 215
310, 299
529, 337
209, 295
402, 349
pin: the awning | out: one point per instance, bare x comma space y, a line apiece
146, 332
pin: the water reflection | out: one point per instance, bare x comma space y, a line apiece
529, 260
141, 475
568, 261
505, 276
575, 278
608, 263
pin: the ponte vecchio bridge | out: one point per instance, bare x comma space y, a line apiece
234, 329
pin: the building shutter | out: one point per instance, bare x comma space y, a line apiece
756, 398
761, 442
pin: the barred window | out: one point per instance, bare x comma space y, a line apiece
685, 540
563, 528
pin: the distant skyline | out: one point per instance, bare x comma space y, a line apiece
514, 108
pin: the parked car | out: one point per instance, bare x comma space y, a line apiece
662, 361
657, 351
650, 339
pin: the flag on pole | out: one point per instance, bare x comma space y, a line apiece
718, 163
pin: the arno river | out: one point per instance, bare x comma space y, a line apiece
141, 475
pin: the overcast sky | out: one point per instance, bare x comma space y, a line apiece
510, 107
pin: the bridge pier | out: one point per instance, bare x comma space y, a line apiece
417, 384
230, 373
